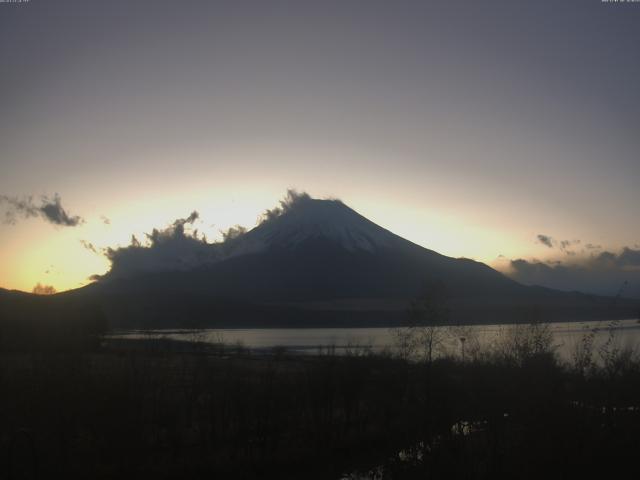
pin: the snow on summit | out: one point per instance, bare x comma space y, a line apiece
301, 218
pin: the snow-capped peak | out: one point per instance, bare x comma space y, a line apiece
303, 218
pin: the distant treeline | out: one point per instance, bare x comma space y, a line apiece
197, 310
49, 323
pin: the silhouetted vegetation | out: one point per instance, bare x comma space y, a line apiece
42, 323
154, 409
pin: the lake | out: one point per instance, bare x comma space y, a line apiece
450, 339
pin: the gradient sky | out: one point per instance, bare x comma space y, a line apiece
468, 127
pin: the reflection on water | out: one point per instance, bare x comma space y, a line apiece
453, 340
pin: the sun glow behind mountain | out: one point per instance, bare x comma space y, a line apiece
467, 128
70, 256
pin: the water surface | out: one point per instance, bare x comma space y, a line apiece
565, 337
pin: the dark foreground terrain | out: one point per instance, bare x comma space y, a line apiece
155, 410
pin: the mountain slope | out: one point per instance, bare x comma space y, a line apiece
318, 262
322, 249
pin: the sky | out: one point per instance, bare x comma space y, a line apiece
492, 130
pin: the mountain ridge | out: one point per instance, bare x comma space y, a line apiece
320, 258
313, 262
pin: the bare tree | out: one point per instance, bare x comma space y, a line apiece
428, 313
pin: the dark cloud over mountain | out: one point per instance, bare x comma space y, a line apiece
604, 273
171, 248
175, 248
292, 198
50, 209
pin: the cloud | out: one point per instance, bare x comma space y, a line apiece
565, 246
175, 231
233, 232
629, 259
89, 246
179, 247
545, 240
603, 273
172, 248
291, 200
50, 209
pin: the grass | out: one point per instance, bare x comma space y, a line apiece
158, 410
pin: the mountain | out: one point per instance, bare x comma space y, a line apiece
316, 263
305, 219
313, 262
323, 250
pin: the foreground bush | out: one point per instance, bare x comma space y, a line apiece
135, 413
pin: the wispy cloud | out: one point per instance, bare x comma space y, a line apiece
546, 240
566, 246
50, 209
89, 246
